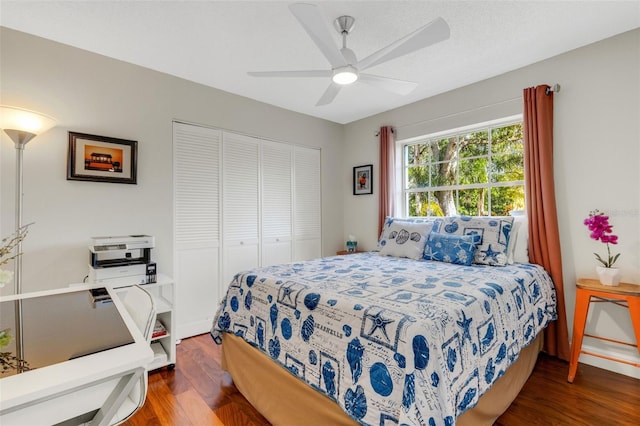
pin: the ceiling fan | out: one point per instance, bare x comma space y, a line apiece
345, 68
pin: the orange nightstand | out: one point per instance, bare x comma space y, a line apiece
585, 290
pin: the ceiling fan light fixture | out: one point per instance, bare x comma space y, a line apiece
345, 75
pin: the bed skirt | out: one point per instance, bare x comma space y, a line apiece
285, 400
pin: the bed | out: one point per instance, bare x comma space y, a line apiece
384, 339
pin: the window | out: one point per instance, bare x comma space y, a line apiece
475, 171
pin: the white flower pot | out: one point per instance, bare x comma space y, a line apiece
608, 276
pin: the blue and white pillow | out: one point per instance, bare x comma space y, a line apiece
494, 235
405, 239
518, 251
458, 249
384, 235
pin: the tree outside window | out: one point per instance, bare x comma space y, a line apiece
478, 172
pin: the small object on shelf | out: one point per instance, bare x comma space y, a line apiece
352, 244
100, 296
151, 272
158, 330
159, 354
608, 276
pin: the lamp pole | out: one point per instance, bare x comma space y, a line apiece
20, 143
21, 126
20, 139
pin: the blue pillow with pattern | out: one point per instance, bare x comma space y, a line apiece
458, 249
494, 233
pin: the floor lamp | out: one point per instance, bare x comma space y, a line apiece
21, 125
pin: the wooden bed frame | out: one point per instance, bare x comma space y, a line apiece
283, 399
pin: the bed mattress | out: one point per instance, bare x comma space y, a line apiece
390, 340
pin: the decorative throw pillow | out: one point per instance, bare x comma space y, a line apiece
494, 235
389, 220
521, 245
458, 249
405, 239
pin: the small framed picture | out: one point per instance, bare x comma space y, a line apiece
101, 159
363, 180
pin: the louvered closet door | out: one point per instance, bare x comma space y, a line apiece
277, 203
196, 172
240, 206
307, 204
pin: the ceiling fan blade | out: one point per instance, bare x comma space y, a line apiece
313, 22
329, 95
309, 73
434, 32
401, 87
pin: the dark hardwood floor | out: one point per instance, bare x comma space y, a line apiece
199, 393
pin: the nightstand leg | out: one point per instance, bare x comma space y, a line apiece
579, 321
634, 312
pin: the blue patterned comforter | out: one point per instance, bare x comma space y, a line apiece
391, 340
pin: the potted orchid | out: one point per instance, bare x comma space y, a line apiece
601, 230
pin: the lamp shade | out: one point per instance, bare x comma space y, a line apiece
22, 120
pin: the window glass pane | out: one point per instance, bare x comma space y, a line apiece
508, 167
506, 198
417, 177
507, 139
444, 174
474, 144
444, 203
474, 171
473, 202
423, 204
444, 149
418, 154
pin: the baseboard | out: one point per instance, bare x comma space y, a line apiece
626, 353
194, 328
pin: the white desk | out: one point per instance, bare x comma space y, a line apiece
86, 388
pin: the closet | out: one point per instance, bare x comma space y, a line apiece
240, 202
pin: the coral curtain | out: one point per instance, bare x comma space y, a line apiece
544, 237
387, 175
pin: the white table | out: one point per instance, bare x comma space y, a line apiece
86, 388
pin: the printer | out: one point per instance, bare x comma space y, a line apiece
121, 261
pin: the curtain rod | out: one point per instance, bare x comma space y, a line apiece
554, 88
393, 130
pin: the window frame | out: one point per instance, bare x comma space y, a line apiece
402, 178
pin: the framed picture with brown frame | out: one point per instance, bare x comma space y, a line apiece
102, 159
363, 180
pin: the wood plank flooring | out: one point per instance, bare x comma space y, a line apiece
199, 393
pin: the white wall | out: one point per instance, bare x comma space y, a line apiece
597, 159
93, 94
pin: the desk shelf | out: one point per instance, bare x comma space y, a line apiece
164, 347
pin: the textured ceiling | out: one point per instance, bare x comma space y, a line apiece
215, 43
